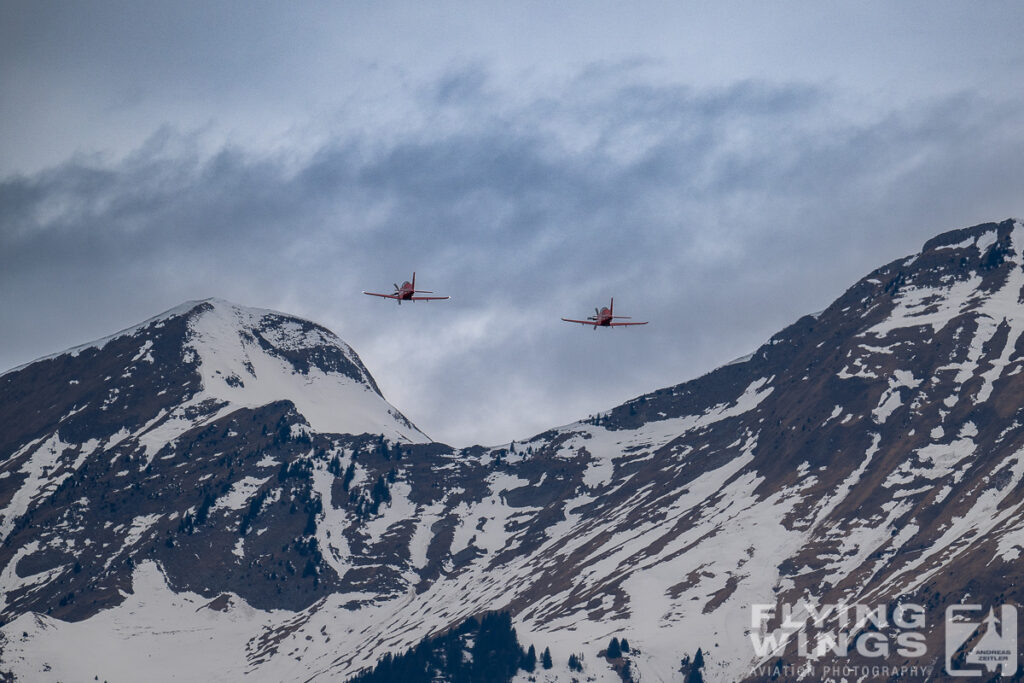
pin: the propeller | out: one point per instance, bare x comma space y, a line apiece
597, 313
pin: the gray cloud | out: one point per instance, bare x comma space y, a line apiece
719, 214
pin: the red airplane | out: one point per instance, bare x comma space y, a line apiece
604, 318
406, 292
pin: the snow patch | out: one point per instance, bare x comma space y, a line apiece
240, 494
235, 369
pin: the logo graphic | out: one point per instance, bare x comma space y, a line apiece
996, 645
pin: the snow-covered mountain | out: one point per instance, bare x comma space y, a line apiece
229, 485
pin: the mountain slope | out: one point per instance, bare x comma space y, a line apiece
867, 454
162, 427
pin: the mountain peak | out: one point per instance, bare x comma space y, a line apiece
214, 352
251, 357
981, 236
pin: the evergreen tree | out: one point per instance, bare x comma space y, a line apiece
530, 660
204, 508
350, 473
496, 651
380, 494
694, 675
624, 645
614, 649
454, 662
574, 663
495, 657
545, 659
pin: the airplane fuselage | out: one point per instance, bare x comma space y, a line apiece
604, 317
408, 292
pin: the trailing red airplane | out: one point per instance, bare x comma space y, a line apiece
604, 318
407, 291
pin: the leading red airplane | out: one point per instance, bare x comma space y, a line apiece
604, 318
407, 291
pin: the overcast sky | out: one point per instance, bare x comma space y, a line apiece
719, 168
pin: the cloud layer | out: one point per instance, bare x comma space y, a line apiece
720, 214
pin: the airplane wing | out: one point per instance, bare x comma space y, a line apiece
386, 296
581, 322
429, 298
624, 324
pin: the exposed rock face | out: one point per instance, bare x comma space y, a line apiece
869, 454
159, 442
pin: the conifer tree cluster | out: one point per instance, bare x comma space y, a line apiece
615, 653
478, 651
693, 670
529, 663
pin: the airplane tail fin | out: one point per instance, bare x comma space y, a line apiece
418, 291
611, 311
